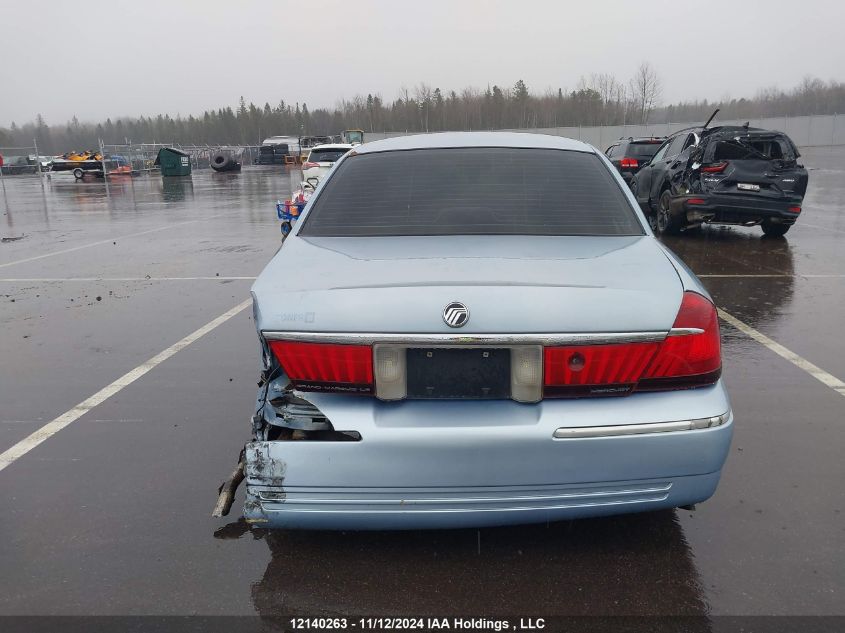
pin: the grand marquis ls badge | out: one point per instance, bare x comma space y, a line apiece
456, 314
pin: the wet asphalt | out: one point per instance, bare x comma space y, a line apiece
111, 516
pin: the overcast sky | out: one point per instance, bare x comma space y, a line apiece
116, 58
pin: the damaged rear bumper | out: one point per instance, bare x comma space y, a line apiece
450, 464
461, 507
735, 209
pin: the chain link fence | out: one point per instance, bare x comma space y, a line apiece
140, 157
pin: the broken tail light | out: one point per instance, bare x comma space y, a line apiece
326, 367
630, 163
715, 168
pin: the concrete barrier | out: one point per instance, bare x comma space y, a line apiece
806, 131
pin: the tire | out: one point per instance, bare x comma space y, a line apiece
664, 223
221, 161
286, 228
770, 229
78, 173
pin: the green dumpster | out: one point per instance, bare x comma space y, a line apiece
173, 162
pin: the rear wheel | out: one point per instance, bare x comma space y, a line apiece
664, 223
774, 230
78, 173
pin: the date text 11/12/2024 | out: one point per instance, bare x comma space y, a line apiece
415, 624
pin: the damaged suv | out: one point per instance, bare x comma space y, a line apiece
723, 175
452, 337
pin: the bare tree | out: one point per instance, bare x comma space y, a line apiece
423, 95
646, 89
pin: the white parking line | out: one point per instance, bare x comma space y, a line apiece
823, 228
62, 279
51, 428
111, 239
802, 363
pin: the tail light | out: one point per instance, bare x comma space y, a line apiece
696, 201
309, 165
715, 168
629, 162
583, 370
794, 209
691, 355
326, 367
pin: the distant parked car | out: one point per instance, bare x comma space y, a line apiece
629, 154
306, 143
16, 165
485, 333
722, 175
321, 159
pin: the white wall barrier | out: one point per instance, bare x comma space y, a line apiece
806, 131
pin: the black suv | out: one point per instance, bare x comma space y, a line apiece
723, 175
629, 154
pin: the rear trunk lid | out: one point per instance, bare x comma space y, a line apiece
510, 284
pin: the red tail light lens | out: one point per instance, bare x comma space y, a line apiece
309, 165
715, 168
696, 201
326, 367
688, 359
690, 356
795, 209
583, 370
629, 162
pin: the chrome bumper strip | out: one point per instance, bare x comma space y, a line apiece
640, 429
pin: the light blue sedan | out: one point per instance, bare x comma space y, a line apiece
473, 329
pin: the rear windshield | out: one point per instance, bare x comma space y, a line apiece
472, 191
643, 150
326, 155
750, 148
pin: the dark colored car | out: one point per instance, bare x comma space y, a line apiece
16, 165
629, 154
723, 175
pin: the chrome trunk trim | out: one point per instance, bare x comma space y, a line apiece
540, 338
685, 331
